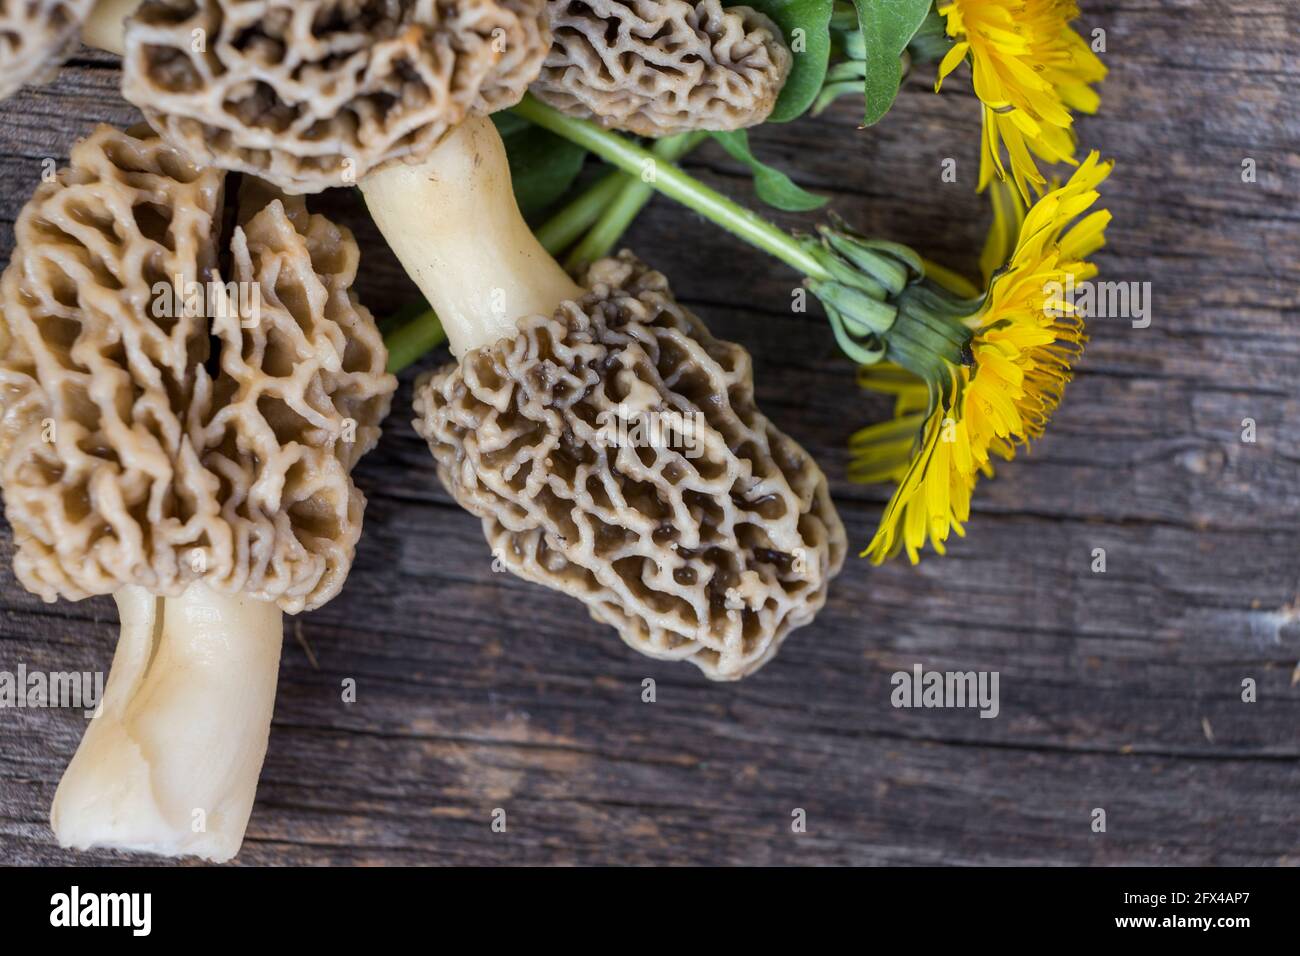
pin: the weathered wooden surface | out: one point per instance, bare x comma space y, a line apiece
1118, 690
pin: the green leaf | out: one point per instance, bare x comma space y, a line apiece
887, 26
773, 186
542, 165
806, 25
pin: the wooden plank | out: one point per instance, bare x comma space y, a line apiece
1119, 690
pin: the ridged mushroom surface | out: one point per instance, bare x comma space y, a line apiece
177, 406
709, 543
656, 67
35, 36
312, 94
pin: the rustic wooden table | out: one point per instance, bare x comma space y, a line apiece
1120, 690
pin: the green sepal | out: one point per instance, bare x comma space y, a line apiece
862, 313
885, 269
867, 351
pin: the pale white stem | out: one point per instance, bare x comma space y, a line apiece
103, 28
454, 225
170, 764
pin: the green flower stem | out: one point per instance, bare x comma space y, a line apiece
391, 323
631, 198
563, 229
406, 345
875, 293
675, 184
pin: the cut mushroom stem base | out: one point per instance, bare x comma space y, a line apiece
170, 763
104, 26
453, 223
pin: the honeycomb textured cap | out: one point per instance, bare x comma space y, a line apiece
311, 94
35, 37
656, 67
614, 452
168, 418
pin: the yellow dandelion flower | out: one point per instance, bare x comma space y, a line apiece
1029, 71
1025, 337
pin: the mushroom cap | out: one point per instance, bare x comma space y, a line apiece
167, 417
311, 94
709, 546
35, 36
656, 67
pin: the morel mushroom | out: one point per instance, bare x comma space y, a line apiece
181, 415
707, 541
656, 67
35, 36
310, 94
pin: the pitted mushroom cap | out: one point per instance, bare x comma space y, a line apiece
167, 418
656, 67
35, 36
706, 541
311, 94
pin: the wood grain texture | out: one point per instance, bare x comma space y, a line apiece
1118, 690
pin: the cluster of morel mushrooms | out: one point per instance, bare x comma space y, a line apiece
196, 463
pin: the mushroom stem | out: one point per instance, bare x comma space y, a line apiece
453, 223
170, 763
600, 215
103, 28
